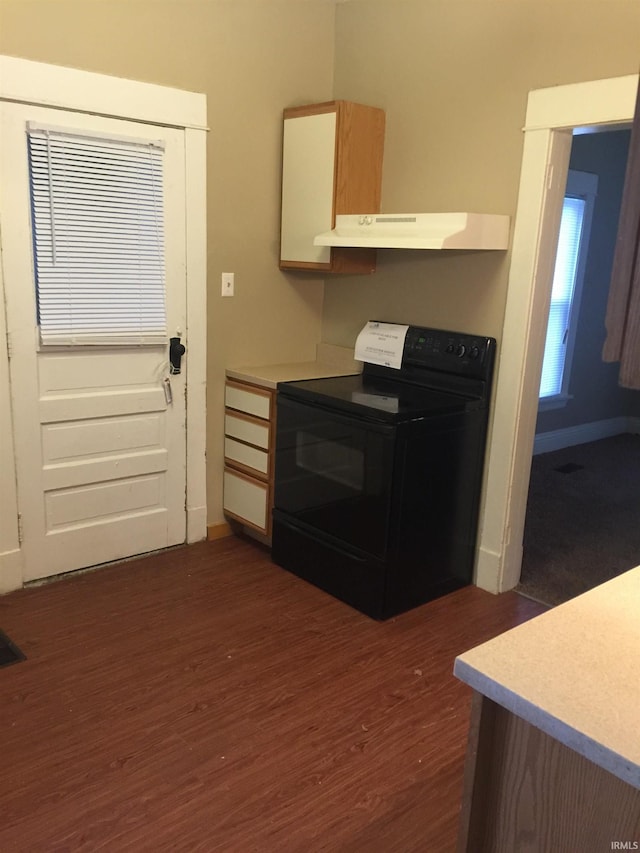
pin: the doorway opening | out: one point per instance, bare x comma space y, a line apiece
584, 490
552, 117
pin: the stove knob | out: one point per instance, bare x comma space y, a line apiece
474, 352
461, 350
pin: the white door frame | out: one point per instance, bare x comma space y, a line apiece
552, 114
28, 82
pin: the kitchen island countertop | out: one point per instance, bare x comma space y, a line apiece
574, 673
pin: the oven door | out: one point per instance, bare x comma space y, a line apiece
334, 473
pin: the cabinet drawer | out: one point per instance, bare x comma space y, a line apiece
253, 401
246, 500
249, 430
247, 456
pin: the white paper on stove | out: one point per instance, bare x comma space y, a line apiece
381, 343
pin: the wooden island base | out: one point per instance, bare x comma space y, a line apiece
526, 791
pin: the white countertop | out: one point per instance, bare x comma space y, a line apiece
574, 673
330, 361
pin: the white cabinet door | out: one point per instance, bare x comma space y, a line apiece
308, 176
247, 500
100, 447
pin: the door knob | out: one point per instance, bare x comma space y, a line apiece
176, 351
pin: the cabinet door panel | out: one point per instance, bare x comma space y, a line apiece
308, 176
244, 454
248, 430
246, 499
252, 401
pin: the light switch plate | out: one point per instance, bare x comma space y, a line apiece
227, 283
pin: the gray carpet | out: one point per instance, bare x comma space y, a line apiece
583, 518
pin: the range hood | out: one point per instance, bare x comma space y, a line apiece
418, 231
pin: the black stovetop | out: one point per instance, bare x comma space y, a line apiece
376, 398
441, 373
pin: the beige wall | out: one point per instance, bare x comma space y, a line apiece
453, 77
251, 58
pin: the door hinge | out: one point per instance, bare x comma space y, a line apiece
20, 529
9, 345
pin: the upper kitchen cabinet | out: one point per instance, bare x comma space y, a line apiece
331, 165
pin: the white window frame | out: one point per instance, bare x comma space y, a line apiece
583, 185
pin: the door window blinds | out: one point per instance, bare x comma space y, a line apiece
98, 235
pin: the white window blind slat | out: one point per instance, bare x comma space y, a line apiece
98, 233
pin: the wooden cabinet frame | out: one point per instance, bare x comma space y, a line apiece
357, 181
253, 477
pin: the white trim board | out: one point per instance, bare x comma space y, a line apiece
551, 115
556, 439
99, 94
38, 83
581, 104
10, 570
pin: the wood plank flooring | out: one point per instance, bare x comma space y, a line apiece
203, 699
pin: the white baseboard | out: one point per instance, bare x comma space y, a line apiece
556, 439
10, 570
487, 570
196, 523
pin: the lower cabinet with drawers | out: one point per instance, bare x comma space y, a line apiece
248, 455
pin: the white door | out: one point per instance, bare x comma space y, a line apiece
100, 431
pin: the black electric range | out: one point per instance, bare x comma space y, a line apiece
378, 476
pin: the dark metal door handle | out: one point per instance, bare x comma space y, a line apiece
176, 351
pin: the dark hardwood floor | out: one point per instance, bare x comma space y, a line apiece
204, 699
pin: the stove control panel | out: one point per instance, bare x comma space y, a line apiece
453, 352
